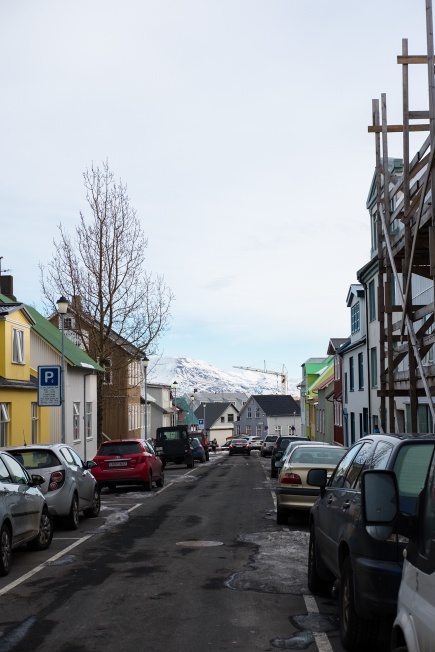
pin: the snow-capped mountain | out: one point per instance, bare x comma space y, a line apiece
196, 374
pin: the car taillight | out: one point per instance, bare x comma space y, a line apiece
231, 446
290, 478
57, 479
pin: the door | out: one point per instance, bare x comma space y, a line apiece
83, 479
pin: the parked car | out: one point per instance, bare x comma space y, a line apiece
239, 447
128, 462
255, 442
414, 625
267, 445
342, 548
279, 449
24, 515
290, 447
173, 445
293, 494
69, 487
198, 449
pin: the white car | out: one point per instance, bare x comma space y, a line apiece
24, 516
255, 442
69, 487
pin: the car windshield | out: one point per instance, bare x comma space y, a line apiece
317, 455
36, 459
120, 448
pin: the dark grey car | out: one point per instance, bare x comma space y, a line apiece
342, 548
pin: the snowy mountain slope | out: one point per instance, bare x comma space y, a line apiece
196, 374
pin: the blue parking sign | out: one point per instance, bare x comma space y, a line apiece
49, 385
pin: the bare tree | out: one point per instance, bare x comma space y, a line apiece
116, 303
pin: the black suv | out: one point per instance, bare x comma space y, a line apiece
278, 451
173, 445
341, 546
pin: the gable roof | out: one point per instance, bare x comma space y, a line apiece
277, 405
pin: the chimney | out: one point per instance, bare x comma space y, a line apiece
7, 287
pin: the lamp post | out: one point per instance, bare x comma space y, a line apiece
192, 398
145, 362
175, 385
203, 405
62, 307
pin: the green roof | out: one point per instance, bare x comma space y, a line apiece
53, 336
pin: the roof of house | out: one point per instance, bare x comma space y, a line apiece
278, 405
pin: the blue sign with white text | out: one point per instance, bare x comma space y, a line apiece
49, 385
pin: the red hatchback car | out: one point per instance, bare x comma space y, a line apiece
127, 462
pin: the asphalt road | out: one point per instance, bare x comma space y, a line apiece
198, 565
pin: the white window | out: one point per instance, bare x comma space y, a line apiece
88, 420
258, 431
278, 430
17, 346
230, 417
76, 421
257, 412
35, 423
107, 366
4, 424
248, 431
248, 413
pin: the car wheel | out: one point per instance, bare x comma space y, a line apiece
94, 509
281, 517
207, 457
190, 463
202, 460
45, 533
316, 584
273, 473
161, 481
353, 629
149, 483
5, 550
72, 520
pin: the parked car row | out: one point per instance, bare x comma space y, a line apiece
372, 534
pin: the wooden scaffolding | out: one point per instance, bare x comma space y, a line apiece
406, 328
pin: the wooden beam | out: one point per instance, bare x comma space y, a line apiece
397, 128
411, 58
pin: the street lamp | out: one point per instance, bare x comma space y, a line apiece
192, 398
62, 307
145, 362
175, 385
203, 427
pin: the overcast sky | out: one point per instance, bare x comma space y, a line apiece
240, 129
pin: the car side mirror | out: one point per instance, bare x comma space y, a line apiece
380, 503
278, 465
317, 478
90, 464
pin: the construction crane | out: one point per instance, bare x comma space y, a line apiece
280, 374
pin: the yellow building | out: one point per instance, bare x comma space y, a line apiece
21, 420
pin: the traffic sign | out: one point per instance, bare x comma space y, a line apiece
49, 385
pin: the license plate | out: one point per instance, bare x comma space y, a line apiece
120, 463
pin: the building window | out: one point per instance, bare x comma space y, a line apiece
4, 424
17, 346
68, 323
248, 413
230, 418
107, 366
352, 428
278, 430
374, 232
258, 431
351, 375
257, 412
337, 368
248, 430
374, 367
237, 430
88, 420
372, 301
360, 371
76, 421
222, 419
35, 423
354, 313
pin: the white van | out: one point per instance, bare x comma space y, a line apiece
384, 512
